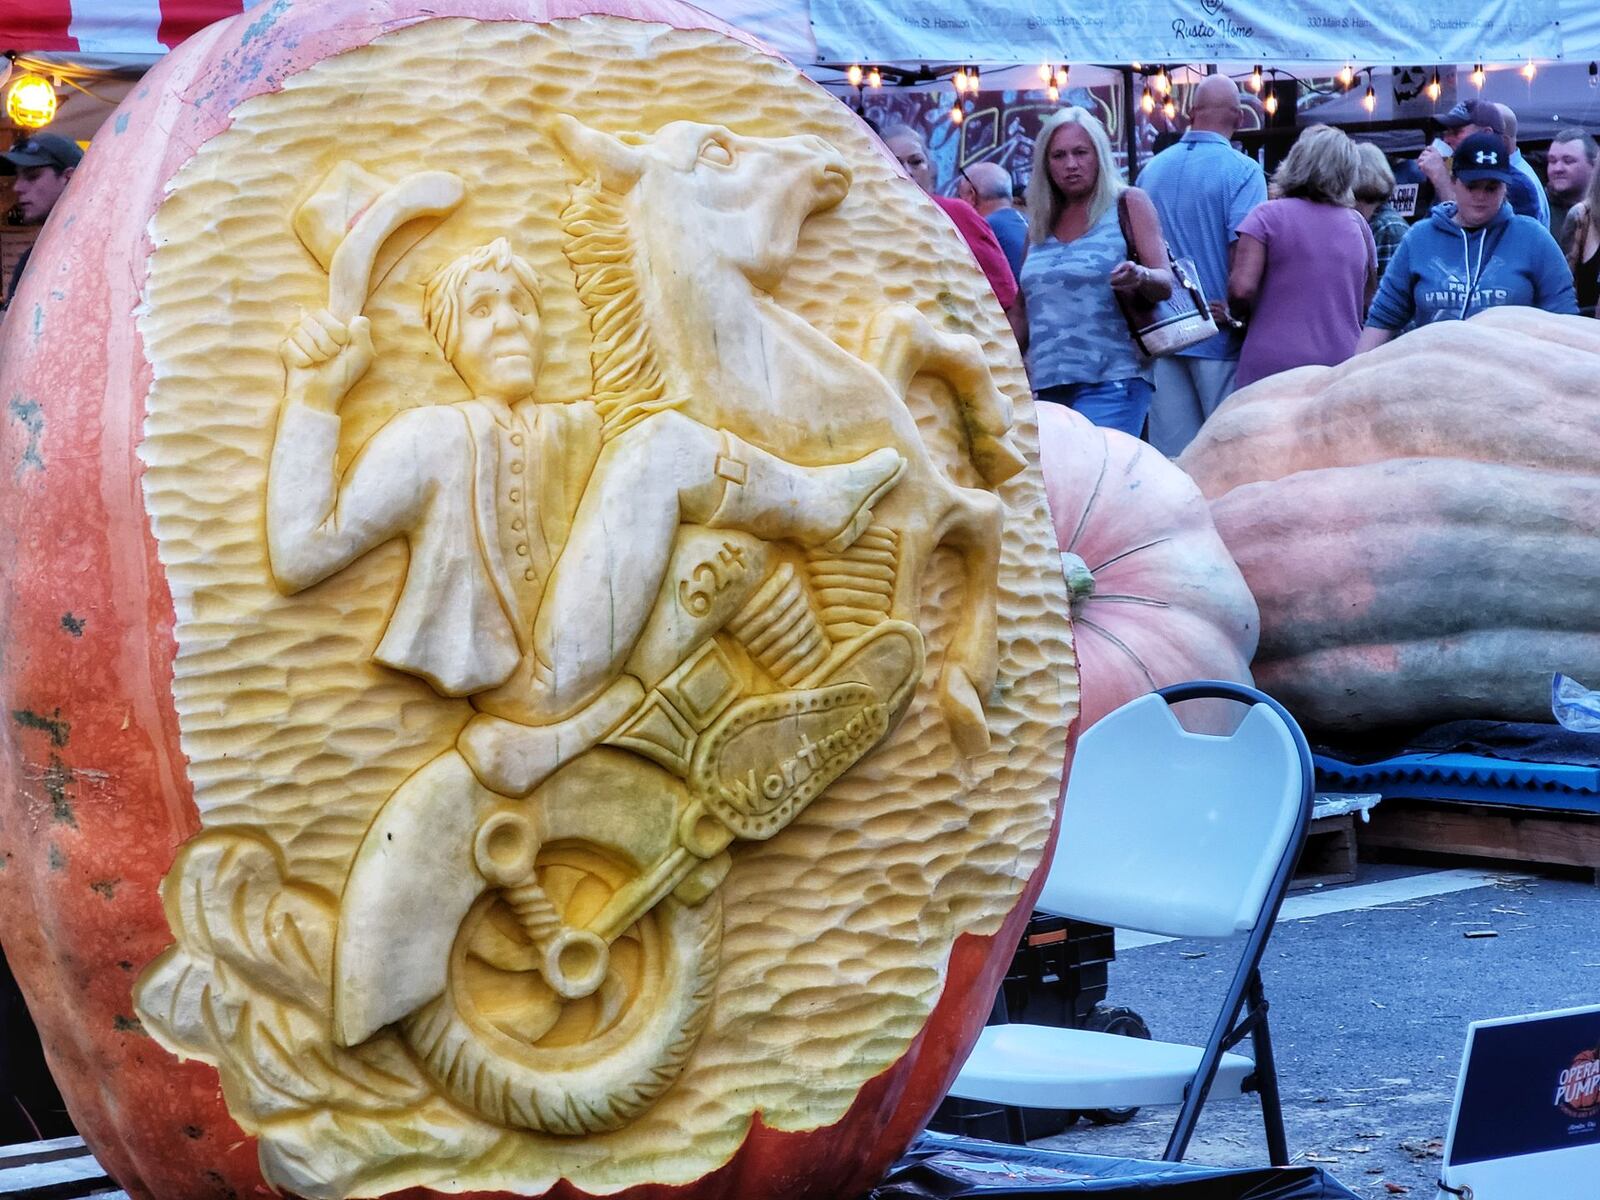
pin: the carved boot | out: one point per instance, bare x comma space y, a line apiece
828, 506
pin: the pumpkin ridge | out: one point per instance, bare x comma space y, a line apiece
1123, 646
1088, 505
1116, 558
1125, 598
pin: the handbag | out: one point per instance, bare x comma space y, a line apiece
1166, 326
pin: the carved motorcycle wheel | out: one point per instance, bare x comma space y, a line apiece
503, 1042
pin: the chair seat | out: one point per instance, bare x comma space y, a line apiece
1044, 1066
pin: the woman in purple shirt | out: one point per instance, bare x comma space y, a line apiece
1305, 264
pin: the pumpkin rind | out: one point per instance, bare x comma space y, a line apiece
1164, 602
1418, 524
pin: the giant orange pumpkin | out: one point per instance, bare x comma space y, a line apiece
203, 734
1156, 597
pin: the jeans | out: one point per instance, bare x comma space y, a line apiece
1115, 404
1188, 391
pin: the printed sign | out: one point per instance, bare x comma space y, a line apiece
1405, 199
1528, 1108
1185, 30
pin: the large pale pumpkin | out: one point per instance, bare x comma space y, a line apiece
210, 744
1156, 598
1420, 525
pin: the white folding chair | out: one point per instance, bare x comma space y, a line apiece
1178, 834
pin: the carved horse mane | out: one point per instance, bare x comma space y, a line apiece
622, 356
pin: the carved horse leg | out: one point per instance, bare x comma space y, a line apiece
902, 343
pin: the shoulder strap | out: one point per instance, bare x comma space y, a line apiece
1127, 227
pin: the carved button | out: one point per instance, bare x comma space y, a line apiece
516, 439
517, 524
516, 468
522, 549
515, 495
529, 574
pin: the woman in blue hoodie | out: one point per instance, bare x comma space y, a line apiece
1469, 255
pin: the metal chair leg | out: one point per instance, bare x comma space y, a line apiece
1267, 1078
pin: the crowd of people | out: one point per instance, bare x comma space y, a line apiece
1308, 268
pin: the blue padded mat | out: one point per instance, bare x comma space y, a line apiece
1474, 777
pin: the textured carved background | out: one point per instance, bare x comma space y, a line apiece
288, 726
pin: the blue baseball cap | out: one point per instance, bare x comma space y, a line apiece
1482, 156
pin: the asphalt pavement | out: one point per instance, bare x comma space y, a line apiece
1371, 987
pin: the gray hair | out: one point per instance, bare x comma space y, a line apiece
1045, 201
989, 180
1321, 166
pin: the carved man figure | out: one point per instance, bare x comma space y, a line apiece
538, 543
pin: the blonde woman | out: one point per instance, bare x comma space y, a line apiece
1305, 264
1079, 350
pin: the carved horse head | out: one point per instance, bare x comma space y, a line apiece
742, 199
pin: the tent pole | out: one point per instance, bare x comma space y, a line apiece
1130, 124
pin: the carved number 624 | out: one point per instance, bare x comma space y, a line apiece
710, 578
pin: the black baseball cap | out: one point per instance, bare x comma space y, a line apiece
1482, 156
1482, 113
43, 150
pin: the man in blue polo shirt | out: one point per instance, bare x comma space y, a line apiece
1202, 188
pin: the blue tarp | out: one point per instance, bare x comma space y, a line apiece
941, 1166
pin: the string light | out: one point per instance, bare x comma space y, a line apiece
1254, 82
1045, 72
1061, 75
1594, 74
1169, 110
1529, 70
973, 80
1271, 102
875, 78
1434, 87
1147, 102
1137, 66
1370, 100
1347, 77
960, 81
1053, 92
854, 75
1162, 81
957, 116
31, 102
1478, 76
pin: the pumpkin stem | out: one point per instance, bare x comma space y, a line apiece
1080, 580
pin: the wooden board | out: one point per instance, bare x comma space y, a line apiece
1513, 834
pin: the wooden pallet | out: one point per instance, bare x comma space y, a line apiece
57, 1169
1330, 851
1497, 831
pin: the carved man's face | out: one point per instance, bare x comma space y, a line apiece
498, 348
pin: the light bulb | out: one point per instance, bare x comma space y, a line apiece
1053, 92
1347, 77
973, 80
1137, 66
854, 75
1169, 110
960, 81
1147, 102
1594, 74
1434, 87
1045, 72
1254, 82
1271, 103
1478, 76
957, 116
31, 102
875, 78
1163, 82
1529, 70
1061, 76
1370, 100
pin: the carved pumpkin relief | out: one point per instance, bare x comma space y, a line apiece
617, 651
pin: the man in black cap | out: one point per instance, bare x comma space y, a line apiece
43, 163
1461, 122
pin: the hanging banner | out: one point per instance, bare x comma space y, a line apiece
1369, 32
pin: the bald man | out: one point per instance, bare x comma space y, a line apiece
1528, 200
987, 187
1202, 188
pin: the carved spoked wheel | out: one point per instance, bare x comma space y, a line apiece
504, 1043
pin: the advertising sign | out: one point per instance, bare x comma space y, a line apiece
1526, 1121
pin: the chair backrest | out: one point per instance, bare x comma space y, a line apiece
1176, 833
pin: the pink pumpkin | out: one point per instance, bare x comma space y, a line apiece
1156, 597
